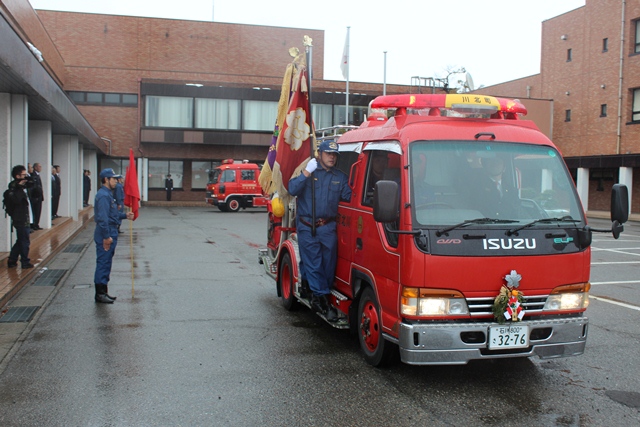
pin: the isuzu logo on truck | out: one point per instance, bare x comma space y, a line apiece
492, 244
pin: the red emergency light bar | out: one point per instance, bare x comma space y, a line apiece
466, 101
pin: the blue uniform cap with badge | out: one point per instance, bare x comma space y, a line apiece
108, 173
328, 147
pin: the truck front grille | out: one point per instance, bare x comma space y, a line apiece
481, 307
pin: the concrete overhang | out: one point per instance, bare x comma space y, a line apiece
22, 74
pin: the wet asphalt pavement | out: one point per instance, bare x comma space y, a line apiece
205, 342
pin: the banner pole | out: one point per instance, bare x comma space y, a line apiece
308, 48
131, 254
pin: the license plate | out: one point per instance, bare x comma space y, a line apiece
508, 336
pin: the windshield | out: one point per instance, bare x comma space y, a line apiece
453, 182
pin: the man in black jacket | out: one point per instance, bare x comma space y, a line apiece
56, 190
168, 186
36, 196
20, 217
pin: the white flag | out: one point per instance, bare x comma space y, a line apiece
344, 65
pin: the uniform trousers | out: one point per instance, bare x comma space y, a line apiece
104, 259
318, 256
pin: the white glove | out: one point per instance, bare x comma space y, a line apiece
311, 166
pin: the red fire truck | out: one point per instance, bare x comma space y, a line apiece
471, 244
234, 186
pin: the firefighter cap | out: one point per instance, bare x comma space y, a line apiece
109, 173
328, 147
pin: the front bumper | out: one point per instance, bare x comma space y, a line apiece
458, 343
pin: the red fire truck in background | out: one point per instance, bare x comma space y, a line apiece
473, 243
234, 186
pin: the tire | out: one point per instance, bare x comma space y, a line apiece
223, 208
285, 282
377, 351
234, 205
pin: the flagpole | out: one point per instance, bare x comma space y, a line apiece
346, 115
384, 81
308, 48
131, 254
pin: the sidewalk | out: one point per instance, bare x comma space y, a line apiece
45, 245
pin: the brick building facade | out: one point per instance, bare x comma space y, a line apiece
590, 68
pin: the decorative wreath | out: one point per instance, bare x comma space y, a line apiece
508, 304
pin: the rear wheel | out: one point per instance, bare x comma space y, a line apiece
285, 282
377, 351
234, 204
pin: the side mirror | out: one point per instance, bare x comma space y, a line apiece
619, 203
385, 201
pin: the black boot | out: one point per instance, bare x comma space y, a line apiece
106, 292
319, 303
101, 295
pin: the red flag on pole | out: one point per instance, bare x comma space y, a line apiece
131, 189
296, 135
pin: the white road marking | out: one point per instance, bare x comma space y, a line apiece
610, 301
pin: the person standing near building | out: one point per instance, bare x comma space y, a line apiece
56, 190
20, 217
318, 252
86, 187
36, 196
168, 186
105, 236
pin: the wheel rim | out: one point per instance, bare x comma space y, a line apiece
370, 326
234, 205
285, 280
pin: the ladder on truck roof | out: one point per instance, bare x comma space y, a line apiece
333, 132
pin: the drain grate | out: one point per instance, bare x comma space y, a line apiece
49, 278
75, 249
18, 314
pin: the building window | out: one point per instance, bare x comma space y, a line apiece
111, 99
259, 115
322, 115
637, 38
217, 113
356, 115
201, 174
603, 110
159, 169
569, 55
169, 112
119, 166
567, 115
635, 117
605, 45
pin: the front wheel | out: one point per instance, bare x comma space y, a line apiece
377, 351
286, 282
234, 205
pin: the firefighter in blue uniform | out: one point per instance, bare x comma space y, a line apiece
318, 253
107, 218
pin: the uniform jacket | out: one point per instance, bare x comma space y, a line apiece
331, 186
21, 214
36, 192
106, 215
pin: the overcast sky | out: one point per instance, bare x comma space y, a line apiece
495, 40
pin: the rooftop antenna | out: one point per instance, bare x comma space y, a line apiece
469, 83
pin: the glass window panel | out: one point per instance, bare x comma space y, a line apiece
636, 105
169, 111
158, 170
176, 169
322, 115
356, 115
129, 99
77, 96
112, 98
201, 174
259, 115
217, 113
95, 98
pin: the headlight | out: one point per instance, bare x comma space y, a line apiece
569, 297
432, 302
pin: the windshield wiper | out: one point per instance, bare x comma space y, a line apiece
475, 221
566, 218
